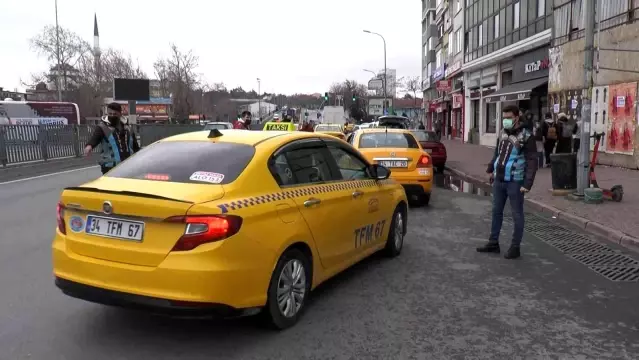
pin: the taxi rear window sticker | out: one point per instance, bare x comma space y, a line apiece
209, 177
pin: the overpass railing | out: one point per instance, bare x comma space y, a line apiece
32, 143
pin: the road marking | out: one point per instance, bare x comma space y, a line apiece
50, 174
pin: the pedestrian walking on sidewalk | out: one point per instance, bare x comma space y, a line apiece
512, 173
538, 134
550, 136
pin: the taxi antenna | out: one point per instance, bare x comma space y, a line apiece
215, 133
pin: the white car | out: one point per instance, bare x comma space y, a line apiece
218, 125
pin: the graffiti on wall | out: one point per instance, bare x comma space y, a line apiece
620, 132
556, 56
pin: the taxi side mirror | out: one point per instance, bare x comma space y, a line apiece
380, 172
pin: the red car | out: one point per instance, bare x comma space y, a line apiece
431, 143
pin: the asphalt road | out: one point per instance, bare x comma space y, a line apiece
438, 300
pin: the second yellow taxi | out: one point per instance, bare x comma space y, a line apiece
233, 221
398, 150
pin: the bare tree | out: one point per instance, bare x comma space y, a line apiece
177, 72
412, 84
63, 55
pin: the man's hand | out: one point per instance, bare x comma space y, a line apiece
523, 190
491, 178
87, 150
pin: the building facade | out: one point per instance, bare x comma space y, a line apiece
505, 61
614, 95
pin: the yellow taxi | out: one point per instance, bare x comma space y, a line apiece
398, 150
335, 130
226, 221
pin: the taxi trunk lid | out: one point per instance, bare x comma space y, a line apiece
398, 160
127, 226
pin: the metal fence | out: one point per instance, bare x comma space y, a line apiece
30, 143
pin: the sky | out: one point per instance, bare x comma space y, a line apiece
293, 46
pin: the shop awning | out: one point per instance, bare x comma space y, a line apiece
516, 91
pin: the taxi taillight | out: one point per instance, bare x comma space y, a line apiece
424, 161
203, 229
62, 226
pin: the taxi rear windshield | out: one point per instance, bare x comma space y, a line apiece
387, 140
198, 162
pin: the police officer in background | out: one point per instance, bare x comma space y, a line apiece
117, 139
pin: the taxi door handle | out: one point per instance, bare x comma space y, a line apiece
357, 194
312, 201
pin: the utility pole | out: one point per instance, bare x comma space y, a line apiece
584, 143
57, 50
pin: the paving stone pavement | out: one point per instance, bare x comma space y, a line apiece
473, 160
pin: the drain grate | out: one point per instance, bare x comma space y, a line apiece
618, 273
581, 247
602, 259
605, 259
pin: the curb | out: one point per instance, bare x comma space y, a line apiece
593, 227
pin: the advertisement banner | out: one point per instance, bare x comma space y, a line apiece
439, 73
148, 109
38, 113
458, 100
444, 85
620, 132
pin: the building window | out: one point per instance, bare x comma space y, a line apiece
457, 6
438, 59
430, 44
458, 35
516, 16
496, 26
450, 42
466, 41
429, 70
480, 35
541, 8
491, 118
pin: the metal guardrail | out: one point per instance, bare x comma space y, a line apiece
32, 143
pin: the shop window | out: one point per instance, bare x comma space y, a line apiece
491, 118
506, 78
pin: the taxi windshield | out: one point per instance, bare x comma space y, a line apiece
181, 161
387, 140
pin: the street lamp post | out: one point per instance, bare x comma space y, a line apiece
259, 99
385, 75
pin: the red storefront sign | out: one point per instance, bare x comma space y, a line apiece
458, 101
444, 85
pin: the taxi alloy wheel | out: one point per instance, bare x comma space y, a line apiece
395, 241
289, 289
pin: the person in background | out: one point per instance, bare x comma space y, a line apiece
550, 132
421, 126
566, 130
512, 173
538, 134
243, 122
117, 139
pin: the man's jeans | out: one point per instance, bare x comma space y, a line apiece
501, 192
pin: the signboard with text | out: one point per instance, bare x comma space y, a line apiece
444, 85
531, 65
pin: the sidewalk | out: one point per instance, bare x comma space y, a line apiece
615, 221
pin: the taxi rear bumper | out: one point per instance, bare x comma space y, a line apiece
415, 184
147, 303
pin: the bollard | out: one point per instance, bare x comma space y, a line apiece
3, 147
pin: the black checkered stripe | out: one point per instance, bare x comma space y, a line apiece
297, 192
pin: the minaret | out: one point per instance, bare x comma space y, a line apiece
96, 35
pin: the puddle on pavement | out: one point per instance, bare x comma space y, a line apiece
458, 184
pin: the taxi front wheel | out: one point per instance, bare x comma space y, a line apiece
395, 241
288, 290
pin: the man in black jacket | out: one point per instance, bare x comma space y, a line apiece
512, 173
116, 139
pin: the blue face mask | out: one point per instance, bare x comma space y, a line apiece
507, 123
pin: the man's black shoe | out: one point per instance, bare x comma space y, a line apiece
490, 247
512, 253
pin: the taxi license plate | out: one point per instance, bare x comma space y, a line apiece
394, 163
115, 228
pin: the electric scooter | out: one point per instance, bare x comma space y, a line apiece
616, 192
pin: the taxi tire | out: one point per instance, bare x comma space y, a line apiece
271, 311
424, 199
391, 249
